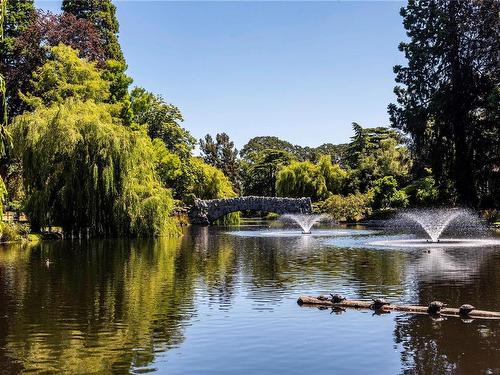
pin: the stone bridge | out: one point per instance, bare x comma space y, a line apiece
205, 212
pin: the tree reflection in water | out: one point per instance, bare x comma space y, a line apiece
112, 306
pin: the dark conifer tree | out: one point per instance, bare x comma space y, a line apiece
448, 98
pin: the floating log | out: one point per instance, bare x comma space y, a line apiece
446, 311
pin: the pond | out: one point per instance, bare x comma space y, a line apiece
223, 301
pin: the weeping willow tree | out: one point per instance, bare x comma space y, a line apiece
5, 138
84, 170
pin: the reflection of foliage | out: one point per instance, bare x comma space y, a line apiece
444, 346
140, 294
131, 297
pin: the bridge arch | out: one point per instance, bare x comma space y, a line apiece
206, 212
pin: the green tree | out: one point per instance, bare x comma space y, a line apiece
335, 177
257, 145
175, 172
386, 194
353, 207
82, 169
337, 153
162, 120
16, 16
259, 172
102, 13
305, 179
30, 50
301, 179
374, 153
222, 154
64, 76
119, 82
209, 182
423, 191
448, 96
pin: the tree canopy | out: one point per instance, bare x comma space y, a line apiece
222, 154
448, 96
102, 13
82, 170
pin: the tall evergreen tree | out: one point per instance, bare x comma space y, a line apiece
448, 100
222, 154
102, 13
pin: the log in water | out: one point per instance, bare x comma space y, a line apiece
446, 311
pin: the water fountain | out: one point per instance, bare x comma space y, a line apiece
459, 227
306, 222
434, 222
286, 226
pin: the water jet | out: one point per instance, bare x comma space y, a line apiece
433, 221
306, 222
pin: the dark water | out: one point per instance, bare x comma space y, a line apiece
223, 301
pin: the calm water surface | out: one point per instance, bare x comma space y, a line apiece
223, 301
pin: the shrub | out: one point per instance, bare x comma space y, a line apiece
353, 207
14, 232
386, 194
423, 191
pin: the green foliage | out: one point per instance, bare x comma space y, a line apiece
119, 83
337, 153
209, 182
162, 120
386, 194
102, 13
448, 95
11, 232
258, 145
222, 154
301, 179
335, 177
260, 171
374, 153
423, 191
353, 207
3, 196
64, 76
232, 218
174, 172
82, 169
18, 15
305, 179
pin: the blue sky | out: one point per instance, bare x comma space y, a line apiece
302, 71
